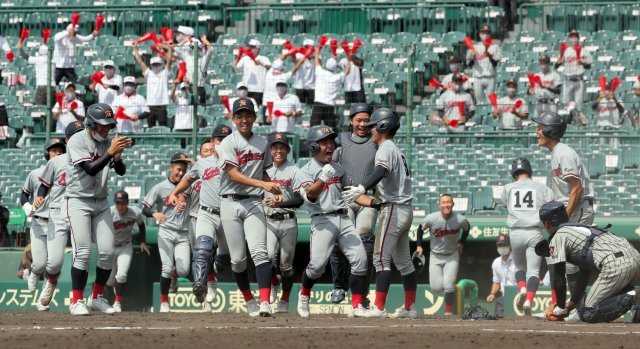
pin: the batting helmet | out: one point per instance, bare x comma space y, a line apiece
316, 134
54, 142
221, 131
418, 261
521, 165
553, 124
384, 121
73, 128
99, 114
554, 213
358, 108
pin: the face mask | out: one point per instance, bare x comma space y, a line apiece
544, 68
503, 250
70, 96
98, 137
454, 67
483, 36
511, 91
156, 68
109, 72
281, 91
180, 37
573, 41
242, 93
455, 87
129, 90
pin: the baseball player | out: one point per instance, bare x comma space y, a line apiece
574, 60
38, 209
355, 153
597, 252
242, 186
208, 226
449, 231
124, 219
173, 232
454, 107
92, 153
523, 198
282, 225
546, 93
568, 178
392, 180
455, 68
504, 270
53, 183
320, 183
511, 109
483, 59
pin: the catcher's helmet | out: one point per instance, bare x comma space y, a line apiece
384, 121
359, 108
99, 114
316, 134
54, 142
73, 128
553, 124
418, 261
521, 165
553, 212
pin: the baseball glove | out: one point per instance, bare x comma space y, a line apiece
549, 314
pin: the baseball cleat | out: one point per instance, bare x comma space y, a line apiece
522, 297
573, 316
164, 307
337, 296
526, 308
117, 307
374, 312
359, 311
32, 282
41, 307
265, 309
281, 307
274, 293
101, 304
211, 291
200, 291
253, 309
404, 313
79, 308
206, 307
47, 293
303, 306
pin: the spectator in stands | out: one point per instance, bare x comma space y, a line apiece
453, 108
4, 118
511, 109
483, 59
304, 78
575, 61
241, 92
253, 71
181, 97
110, 84
329, 80
130, 107
157, 81
39, 61
455, 68
286, 110
274, 75
353, 82
64, 52
68, 108
504, 274
184, 51
547, 91
609, 110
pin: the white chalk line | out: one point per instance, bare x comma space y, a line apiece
505, 330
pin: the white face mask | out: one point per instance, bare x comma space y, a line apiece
504, 250
511, 92
281, 91
573, 41
483, 36
454, 67
242, 93
69, 96
98, 137
156, 68
129, 90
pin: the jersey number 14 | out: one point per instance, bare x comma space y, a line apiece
523, 199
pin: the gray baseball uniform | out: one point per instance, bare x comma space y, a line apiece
455, 106
572, 84
86, 202
545, 99
444, 257
282, 225
39, 227
55, 176
565, 163
241, 210
173, 233
483, 72
193, 207
396, 215
123, 248
523, 200
330, 222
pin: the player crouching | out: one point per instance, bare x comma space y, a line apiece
319, 183
594, 251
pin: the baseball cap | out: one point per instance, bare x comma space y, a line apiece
73, 128
156, 60
574, 33
185, 30
108, 63
511, 83
544, 59
241, 85
253, 42
485, 29
70, 84
307, 42
280, 138
221, 131
121, 197
281, 83
180, 158
243, 104
129, 80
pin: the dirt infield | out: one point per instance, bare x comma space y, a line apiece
149, 330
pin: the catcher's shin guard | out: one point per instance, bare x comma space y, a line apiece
200, 267
607, 310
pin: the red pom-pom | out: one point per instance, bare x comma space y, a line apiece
225, 102
602, 82
73, 105
468, 42
493, 100
45, 34
24, 34
10, 56
75, 18
99, 22
614, 84
182, 71
323, 41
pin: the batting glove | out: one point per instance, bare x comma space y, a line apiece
351, 193
326, 173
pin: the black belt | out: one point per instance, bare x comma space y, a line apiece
340, 212
618, 254
238, 197
212, 210
574, 77
42, 218
281, 216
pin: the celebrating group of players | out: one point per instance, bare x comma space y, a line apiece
242, 192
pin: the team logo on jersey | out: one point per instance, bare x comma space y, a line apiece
444, 232
119, 225
210, 173
197, 186
62, 179
332, 181
282, 182
248, 156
